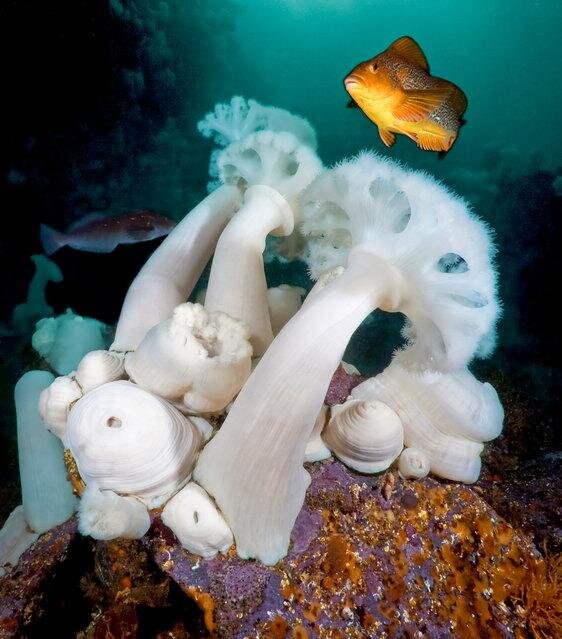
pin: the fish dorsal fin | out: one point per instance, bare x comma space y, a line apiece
457, 98
410, 50
87, 219
418, 104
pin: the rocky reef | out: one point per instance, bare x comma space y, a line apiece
369, 556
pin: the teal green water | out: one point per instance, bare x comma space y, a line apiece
172, 61
505, 55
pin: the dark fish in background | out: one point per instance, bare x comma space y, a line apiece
396, 91
97, 233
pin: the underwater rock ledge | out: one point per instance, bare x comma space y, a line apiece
369, 556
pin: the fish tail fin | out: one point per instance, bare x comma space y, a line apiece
51, 240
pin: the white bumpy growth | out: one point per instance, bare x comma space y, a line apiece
197, 358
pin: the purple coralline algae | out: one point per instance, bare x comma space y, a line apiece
369, 557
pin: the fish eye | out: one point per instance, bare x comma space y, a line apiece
374, 66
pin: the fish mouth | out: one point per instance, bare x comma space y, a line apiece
351, 81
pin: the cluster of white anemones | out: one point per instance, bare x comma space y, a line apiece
375, 235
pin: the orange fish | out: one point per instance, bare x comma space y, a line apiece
397, 93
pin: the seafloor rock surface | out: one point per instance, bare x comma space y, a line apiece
341, 385
370, 557
23, 591
529, 497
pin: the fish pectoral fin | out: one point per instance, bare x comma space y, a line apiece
387, 137
457, 98
407, 48
352, 104
435, 142
418, 104
139, 233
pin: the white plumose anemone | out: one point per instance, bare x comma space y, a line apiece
273, 168
412, 247
168, 278
446, 416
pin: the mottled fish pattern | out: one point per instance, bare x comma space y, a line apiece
98, 233
397, 93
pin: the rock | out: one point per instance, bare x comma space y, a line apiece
66, 585
529, 498
521, 469
370, 557
341, 386
23, 589
139, 600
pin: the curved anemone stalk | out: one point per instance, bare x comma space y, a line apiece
237, 283
253, 466
275, 167
170, 274
430, 262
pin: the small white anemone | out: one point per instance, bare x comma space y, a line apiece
446, 416
196, 522
55, 402
365, 435
413, 464
103, 514
283, 301
198, 358
99, 367
129, 441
